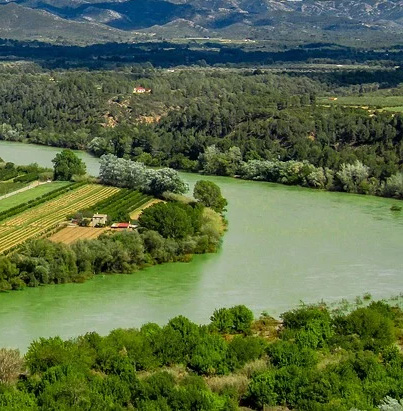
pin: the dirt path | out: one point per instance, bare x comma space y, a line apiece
134, 215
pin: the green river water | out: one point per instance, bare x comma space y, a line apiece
284, 245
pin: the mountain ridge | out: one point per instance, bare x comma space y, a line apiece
183, 18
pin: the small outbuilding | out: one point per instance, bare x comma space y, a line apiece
99, 219
141, 90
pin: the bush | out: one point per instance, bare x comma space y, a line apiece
354, 178
262, 391
285, 353
394, 186
11, 365
237, 319
311, 326
367, 328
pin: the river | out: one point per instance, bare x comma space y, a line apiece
284, 245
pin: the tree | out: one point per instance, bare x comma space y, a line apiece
237, 319
394, 186
262, 390
11, 365
66, 165
166, 179
209, 194
170, 220
126, 173
354, 177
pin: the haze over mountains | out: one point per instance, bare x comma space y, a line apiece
256, 19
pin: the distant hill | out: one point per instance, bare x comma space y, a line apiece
257, 19
20, 22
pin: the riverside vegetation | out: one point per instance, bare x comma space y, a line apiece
14, 177
314, 359
254, 124
169, 231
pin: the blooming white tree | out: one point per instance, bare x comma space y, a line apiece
352, 176
390, 404
126, 173
394, 186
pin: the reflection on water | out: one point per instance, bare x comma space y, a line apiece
284, 245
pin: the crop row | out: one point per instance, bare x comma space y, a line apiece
37, 201
121, 204
114, 199
127, 203
58, 205
39, 220
54, 205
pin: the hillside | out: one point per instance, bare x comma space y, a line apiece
19, 22
268, 19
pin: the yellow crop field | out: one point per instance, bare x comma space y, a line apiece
70, 235
38, 220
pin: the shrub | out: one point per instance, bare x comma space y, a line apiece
11, 365
262, 391
369, 328
394, 186
311, 326
354, 178
237, 319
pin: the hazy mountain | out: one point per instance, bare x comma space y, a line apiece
179, 18
19, 22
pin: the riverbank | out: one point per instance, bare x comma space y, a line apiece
234, 361
166, 232
354, 180
284, 244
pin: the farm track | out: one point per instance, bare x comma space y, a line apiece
40, 219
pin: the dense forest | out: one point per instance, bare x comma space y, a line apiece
216, 121
313, 359
205, 51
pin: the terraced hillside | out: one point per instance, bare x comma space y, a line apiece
37, 220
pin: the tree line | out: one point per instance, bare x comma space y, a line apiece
314, 359
250, 115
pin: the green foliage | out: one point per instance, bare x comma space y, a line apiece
173, 234
125, 173
183, 366
237, 319
67, 165
394, 186
118, 206
172, 220
285, 353
261, 390
369, 328
14, 400
311, 326
219, 122
209, 194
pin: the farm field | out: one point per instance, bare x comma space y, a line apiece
31, 194
390, 103
37, 220
122, 205
69, 235
9, 186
